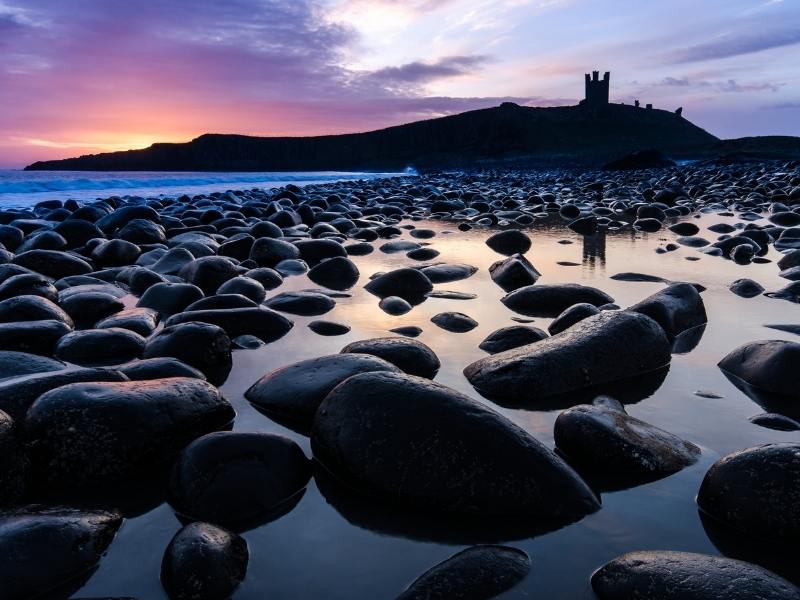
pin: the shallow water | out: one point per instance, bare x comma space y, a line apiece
315, 551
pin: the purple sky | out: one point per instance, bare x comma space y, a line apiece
81, 76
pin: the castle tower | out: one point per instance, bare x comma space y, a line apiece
597, 89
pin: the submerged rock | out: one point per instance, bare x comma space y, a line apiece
612, 448
43, 548
410, 356
410, 284
755, 491
568, 318
259, 321
458, 456
301, 303
514, 336
454, 322
607, 347
513, 272
775, 421
551, 300
328, 328
294, 392
511, 241
204, 562
665, 575
477, 573
769, 365
746, 288
235, 479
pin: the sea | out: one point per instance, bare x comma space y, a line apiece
21, 189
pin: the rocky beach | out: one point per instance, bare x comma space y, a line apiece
534, 383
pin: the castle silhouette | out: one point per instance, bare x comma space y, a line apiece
597, 92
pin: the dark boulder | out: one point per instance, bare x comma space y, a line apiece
769, 365
409, 284
676, 308
302, 303
237, 479
755, 491
204, 562
95, 434
294, 392
328, 328
605, 348
454, 322
86, 308
52, 263
511, 241
203, 346
458, 456
513, 272
514, 336
568, 318
337, 273
36, 337
394, 305
551, 300
665, 575
17, 364
158, 368
115, 253
410, 356
584, 225
209, 272
170, 298
13, 464
244, 286
746, 288
265, 324
32, 308
139, 320
221, 301
477, 573
43, 548
445, 273
28, 284
268, 252
98, 347
775, 421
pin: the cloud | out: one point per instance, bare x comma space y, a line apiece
424, 72
734, 86
675, 82
739, 43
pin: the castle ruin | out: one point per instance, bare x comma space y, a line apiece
597, 89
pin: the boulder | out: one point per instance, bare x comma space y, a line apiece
410, 356
209, 272
410, 284
87, 308
445, 272
568, 318
17, 364
746, 288
513, 272
304, 303
32, 308
170, 298
265, 324
244, 286
454, 322
458, 457
97, 347
605, 348
769, 365
665, 575
237, 479
158, 368
52, 263
139, 320
294, 392
328, 328
507, 338
676, 308
36, 337
95, 434
551, 300
755, 491
203, 346
28, 284
337, 273
204, 562
508, 242
14, 463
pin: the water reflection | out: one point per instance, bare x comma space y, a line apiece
594, 250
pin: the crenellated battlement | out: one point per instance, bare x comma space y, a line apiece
597, 89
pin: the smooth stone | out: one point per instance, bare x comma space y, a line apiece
410, 356
17, 364
309, 304
514, 336
746, 288
445, 273
268, 252
409, 284
693, 241
32, 308
204, 346
454, 322
337, 273
513, 272
158, 368
173, 261
143, 424
423, 253
511, 241
451, 295
43, 548
115, 253
755, 491
477, 573
244, 286
139, 320
261, 322
209, 272
394, 305
235, 479
791, 328
87, 308
408, 331
398, 246
328, 328
221, 301
584, 225
268, 278
28, 284
769, 365
677, 308
775, 421
574, 314
52, 263
14, 465
170, 298
100, 347
608, 347
667, 575
35, 337
685, 228
291, 267
790, 292
612, 448
204, 562
637, 277
361, 249
551, 300
316, 251
294, 392
648, 225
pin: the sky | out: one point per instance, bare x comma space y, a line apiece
88, 76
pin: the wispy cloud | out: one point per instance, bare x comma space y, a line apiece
739, 43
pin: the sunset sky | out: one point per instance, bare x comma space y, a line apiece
86, 76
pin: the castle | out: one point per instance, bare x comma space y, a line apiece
597, 89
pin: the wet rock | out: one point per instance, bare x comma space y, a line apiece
454, 322
301, 303
43, 548
614, 449
408, 331
86, 308
204, 562
221, 301
668, 575
410, 284
743, 254
410, 356
32, 308
98, 347
268, 278
677, 308
746, 288
35, 337
158, 368
693, 241
584, 225
638, 277
507, 338
479, 573
775, 421
173, 261
568, 318
423, 254
551, 300
316, 251
769, 365
338, 273
328, 328
511, 241
268, 252
204, 346
398, 246
52, 263
290, 267
649, 225
236, 479
445, 273
115, 253
789, 260
139, 320
142, 231
685, 228
261, 322
170, 298
14, 463
29, 284
17, 364
755, 491
790, 327
244, 286
459, 457
607, 347
394, 305
209, 272
359, 249
513, 273
94, 434
791, 293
